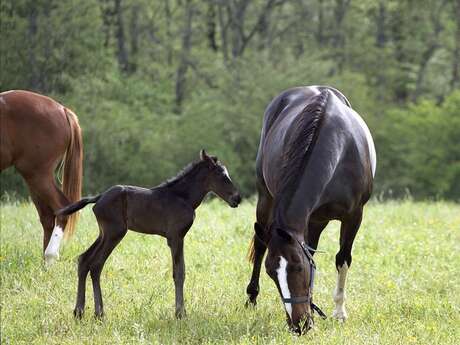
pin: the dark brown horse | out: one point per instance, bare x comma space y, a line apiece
167, 210
37, 134
315, 163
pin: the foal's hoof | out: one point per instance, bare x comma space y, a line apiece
180, 314
78, 313
251, 303
99, 315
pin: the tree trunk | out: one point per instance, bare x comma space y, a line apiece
134, 35
456, 54
32, 32
169, 54
211, 25
122, 54
185, 52
431, 48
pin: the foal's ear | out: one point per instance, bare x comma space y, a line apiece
205, 157
283, 234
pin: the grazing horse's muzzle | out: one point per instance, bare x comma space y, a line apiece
235, 200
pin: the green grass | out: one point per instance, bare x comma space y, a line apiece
403, 286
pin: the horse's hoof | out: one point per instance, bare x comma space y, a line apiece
99, 315
180, 314
251, 303
50, 258
340, 315
78, 313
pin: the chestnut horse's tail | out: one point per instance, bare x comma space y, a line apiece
73, 168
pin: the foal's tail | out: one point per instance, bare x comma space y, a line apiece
72, 208
73, 168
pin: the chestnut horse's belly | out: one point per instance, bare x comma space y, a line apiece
35, 132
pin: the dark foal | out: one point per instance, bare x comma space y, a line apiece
167, 210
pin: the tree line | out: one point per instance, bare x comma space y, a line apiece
154, 81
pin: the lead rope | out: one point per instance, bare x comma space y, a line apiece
306, 249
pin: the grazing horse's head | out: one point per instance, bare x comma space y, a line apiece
290, 268
219, 181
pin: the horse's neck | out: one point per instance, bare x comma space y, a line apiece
192, 189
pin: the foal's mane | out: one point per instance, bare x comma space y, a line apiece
190, 169
305, 132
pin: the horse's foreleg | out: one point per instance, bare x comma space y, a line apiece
348, 231
253, 287
177, 253
263, 215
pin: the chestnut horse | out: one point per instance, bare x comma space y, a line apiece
37, 133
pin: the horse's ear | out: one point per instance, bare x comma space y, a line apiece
283, 234
205, 157
261, 234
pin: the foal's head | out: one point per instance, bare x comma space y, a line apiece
288, 266
218, 180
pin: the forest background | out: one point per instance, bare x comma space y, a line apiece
154, 81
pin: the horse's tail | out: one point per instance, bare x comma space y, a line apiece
72, 208
73, 168
251, 251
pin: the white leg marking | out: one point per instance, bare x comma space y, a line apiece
339, 294
282, 281
52, 251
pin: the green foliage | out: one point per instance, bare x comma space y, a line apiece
403, 286
422, 150
148, 101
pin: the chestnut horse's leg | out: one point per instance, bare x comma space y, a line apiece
263, 214
177, 253
83, 269
348, 231
112, 234
48, 198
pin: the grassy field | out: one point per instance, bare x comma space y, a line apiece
403, 286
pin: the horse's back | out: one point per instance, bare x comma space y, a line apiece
342, 149
34, 129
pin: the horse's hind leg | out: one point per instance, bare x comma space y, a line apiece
113, 233
83, 269
263, 214
348, 230
48, 198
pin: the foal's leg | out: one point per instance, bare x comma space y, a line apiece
112, 235
177, 253
348, 231
83, 269
263, 214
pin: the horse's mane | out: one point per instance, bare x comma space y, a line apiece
302, 139
190, 169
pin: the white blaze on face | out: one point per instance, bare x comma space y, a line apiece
281, 273
339, 294
226, 172
52, 250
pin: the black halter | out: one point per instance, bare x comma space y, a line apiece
308, 298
